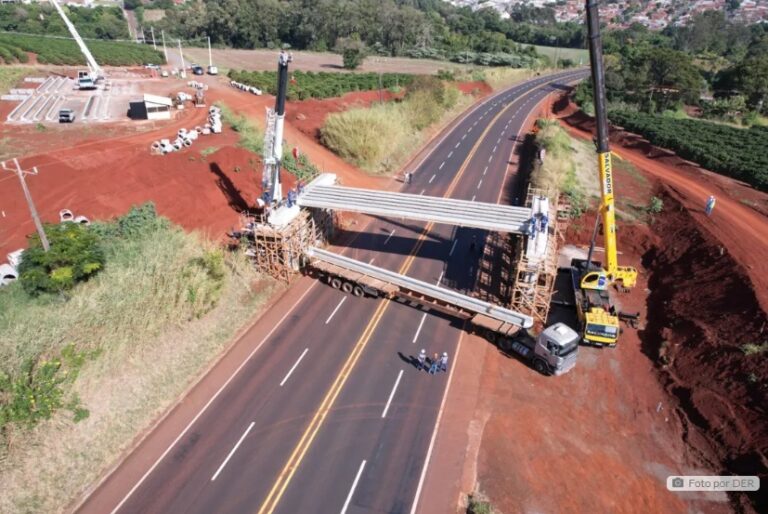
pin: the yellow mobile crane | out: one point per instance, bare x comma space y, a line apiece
597, 313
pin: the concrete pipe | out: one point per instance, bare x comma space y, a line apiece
187, 143
82, 220
192, 135
198, 128
65, 215
206, 131
156, 145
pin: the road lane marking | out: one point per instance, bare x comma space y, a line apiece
431, 179
480, 183
352, 490
371, 261
439, 278
422, 192
393, 231
232, 452
463, 137
418, 330
285, 379
490, 158
453, 247
334, 310
485, 170
458, 144
211, 400
498, 141
437, 425
297, 455
392, 394
494, 149
473, 197
450, 153
441, 166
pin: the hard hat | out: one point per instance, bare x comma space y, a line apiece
445, 354
423, 350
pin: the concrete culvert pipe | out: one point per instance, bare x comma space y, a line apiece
187, 143
82, 220
7, 274
206, 131
192, 135
65, 215
156, 145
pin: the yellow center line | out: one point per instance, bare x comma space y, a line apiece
285, 476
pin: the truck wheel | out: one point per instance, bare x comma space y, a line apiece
541, 366
346, 287
490, 335
335, 282
358, 291
505, 343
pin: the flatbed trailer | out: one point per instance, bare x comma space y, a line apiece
554, 351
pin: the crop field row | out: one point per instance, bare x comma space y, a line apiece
13, 48
734, 152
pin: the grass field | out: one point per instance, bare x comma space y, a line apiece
164, 306
9, 76
577, 55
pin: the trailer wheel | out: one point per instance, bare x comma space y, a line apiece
541, 366
346, 287
335, 282
490, 335
358, 290
505, 343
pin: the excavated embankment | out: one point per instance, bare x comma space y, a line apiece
705, 319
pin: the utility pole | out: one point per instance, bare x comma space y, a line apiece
165, 51
152, 31
32, 210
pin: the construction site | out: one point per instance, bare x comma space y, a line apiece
596, 341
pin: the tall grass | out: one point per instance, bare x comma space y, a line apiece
380, 138
251, 137
9, 76
165, 304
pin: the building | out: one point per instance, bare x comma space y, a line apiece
153, 107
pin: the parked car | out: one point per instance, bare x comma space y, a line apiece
66, 116
198, 70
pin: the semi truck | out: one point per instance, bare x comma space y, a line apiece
553, 352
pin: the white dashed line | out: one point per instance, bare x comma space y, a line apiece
233, 451
450, 153
422, 192
418, 330
299, 360
392, 394
485, 170
334, 310
441, 166
463, 137
494, 148
431, 179
453, 247
480, 183
352, 490
389, 236
458, 144
473, 198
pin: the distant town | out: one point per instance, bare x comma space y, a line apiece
654, 14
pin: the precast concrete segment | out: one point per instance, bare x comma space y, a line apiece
486, 216
419, 286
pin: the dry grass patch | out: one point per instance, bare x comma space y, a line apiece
165, 305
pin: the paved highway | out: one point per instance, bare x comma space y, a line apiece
329, 415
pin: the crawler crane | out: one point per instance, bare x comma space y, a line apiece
591, 282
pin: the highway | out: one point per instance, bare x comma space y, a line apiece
330, 415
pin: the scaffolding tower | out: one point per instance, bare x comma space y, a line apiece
534, 280
277, 250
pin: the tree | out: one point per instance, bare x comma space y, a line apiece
352, 52
75, 255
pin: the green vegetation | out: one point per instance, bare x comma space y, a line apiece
65, 51
734, 152
754, 349
556, 172
10, 76
308, 84
251, 138
75, 255
427, 28
656, 205
379, 137
41, 18
123, 345
478, 506
352, 51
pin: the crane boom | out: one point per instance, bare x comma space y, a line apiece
612, 272
93, 66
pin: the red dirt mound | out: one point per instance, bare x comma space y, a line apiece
704, 311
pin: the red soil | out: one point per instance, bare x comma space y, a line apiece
478, 88
707, 298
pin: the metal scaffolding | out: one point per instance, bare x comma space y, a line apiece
534, 279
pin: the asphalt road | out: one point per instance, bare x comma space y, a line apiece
330, 415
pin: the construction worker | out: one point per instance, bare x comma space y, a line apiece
444, 362
422, 359
532, 227
543, 223
408, 177
300, 187
435, 363
710, 205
